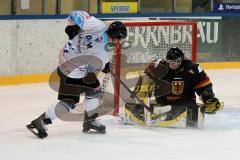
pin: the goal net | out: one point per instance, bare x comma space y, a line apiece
146, 41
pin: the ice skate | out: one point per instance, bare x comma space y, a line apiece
90, 123
38, 126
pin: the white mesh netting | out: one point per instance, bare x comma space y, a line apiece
147, 41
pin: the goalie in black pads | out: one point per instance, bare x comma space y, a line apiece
173, 81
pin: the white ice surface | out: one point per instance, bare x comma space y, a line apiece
219, 140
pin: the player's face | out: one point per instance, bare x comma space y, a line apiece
174, 64
115, 40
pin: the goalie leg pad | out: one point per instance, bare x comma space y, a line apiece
175, 116
134, 114
195, 117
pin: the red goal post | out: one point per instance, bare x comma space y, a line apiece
148, 40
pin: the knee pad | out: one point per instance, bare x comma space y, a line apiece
93, 92
69, 104
91, 100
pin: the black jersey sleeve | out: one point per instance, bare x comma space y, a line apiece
204, 82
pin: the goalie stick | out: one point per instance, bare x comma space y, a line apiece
148, 110
133, 94
165, 86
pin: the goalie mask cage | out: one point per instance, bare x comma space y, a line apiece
146, 41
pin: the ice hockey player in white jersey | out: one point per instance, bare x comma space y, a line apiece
83, 55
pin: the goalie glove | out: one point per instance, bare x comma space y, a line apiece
211, 104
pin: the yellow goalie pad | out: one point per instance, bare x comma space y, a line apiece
134, 114
144, 85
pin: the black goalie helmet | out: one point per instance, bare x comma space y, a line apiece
117, 30
174, 58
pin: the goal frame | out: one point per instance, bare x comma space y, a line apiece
118, 50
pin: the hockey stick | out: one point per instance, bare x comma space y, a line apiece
133, 94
